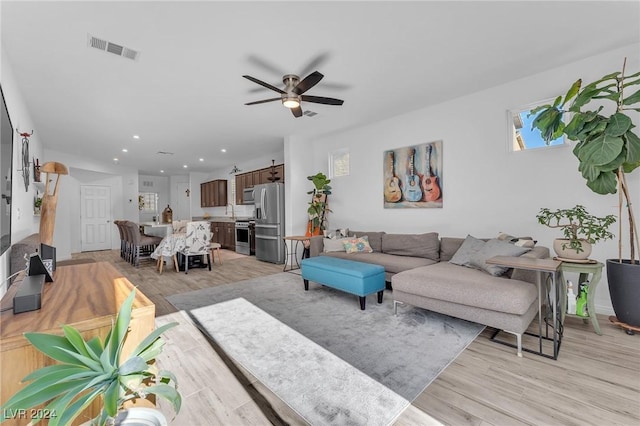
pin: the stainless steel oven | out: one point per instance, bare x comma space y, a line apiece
243, 237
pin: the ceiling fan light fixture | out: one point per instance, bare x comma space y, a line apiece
291, 102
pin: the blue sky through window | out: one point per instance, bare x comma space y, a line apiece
533, 138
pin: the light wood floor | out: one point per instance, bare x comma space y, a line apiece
595, 381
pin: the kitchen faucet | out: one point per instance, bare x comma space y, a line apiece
233, 212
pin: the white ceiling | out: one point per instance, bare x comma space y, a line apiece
185, 93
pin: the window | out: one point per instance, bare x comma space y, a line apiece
148, 202
520, 134
339, 163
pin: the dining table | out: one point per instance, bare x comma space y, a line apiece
170, 245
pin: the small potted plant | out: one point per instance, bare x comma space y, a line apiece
37, 204
88, 370
318, 206
580, 230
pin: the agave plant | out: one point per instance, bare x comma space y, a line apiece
91, 369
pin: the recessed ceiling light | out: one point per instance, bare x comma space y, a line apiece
223, 150
185, 166
202, 159
136, 137
161, 171
115, 159
125, 150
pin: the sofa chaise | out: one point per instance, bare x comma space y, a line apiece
419, 271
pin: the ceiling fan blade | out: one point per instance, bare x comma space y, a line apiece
262, 83
315, 63
266, 65
307, 83
263, 101
297, 112
322, 100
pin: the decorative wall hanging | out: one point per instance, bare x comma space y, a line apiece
36, 170
413, 176
26, 162
50, 201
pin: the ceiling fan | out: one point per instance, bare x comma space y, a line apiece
293, 93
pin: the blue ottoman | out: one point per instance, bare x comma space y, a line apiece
352, 277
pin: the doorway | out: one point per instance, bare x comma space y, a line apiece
95, 217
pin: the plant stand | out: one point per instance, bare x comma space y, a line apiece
629, 329
589, 273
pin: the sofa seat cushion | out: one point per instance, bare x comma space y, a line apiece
471, 287
390, 263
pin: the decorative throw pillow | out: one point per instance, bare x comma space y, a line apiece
518, 241
468, 248
357, 245
334, 244
493, 248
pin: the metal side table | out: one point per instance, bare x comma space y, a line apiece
589, 273
291, 251
550, 268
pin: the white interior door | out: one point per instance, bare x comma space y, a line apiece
95, 217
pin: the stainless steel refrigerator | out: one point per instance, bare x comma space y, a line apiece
269, 216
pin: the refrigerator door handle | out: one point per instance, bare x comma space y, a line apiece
266, 237
263, 193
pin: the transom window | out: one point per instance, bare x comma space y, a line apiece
339, 163
520, 134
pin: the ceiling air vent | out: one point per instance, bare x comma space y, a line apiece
165, 152
116, 49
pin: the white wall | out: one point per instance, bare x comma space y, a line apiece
159, 185
123, 182
487, 189
23, 221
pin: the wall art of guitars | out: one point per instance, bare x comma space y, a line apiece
413, 176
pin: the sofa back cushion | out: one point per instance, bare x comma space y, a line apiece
375, 238
448, 247
416, 245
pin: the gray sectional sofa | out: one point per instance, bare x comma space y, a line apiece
418, 270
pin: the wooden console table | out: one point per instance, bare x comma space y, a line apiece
85, 296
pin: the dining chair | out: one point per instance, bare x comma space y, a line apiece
197, 243
179, 226
141, 245
123, 241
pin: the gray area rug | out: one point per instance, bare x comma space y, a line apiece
319, 386
404, 352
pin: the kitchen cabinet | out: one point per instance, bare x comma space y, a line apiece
213, 193
224, 233
256, 177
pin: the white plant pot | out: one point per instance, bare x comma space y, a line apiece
569, 253
141, 416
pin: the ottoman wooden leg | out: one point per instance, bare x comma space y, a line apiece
306, 284
363, 300
380, 293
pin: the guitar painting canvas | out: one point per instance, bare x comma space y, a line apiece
413, 176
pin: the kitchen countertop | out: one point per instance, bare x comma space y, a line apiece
223, 218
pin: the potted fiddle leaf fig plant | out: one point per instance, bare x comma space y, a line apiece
96, 369
318, 207
607, 149
580, 230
